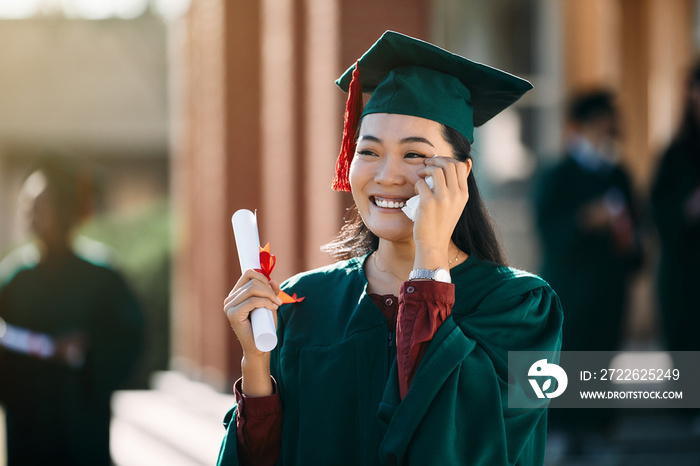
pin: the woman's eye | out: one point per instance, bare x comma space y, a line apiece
367, 152
414, 155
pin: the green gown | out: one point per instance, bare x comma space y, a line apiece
56, 414
679, 273
336, 370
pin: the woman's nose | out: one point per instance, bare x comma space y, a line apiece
390, 171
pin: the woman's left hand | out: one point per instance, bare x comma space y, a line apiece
439, 210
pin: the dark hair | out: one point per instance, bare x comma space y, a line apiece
68, 188
589, 106
474, 233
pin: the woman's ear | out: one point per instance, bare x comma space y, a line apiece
468, 162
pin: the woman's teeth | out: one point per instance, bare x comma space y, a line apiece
389, 204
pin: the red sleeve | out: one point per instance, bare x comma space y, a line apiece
423, 307
258, 427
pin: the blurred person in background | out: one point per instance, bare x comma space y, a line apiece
70, 332
675, 203
588, 229
587, 224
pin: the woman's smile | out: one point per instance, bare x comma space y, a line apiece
388, 203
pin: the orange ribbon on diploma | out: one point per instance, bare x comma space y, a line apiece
267, 265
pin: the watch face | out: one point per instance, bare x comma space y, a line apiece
442, 275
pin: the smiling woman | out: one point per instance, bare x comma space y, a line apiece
397, 355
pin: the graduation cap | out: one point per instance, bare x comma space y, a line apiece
409, 76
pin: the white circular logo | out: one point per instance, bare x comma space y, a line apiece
542, 368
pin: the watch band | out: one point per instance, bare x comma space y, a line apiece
439, 275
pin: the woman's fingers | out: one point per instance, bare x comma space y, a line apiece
248, 275
440, 180
251, 276
445, 180
250, 290
244, 299
239, 313
454, 172
421, 187
249, 293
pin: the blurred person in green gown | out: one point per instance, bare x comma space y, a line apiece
588, 228
70, 332
675, 203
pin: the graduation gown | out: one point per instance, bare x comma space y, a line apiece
56, 414
335, 365
679, 275
589, 273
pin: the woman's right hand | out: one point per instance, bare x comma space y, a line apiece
252, 291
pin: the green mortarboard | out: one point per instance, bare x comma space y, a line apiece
413, 77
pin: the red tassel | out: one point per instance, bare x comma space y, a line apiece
353, 112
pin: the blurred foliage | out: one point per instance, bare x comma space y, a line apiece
143, 249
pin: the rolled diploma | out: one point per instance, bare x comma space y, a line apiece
411, 207
245, 230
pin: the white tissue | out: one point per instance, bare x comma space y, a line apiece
411, 207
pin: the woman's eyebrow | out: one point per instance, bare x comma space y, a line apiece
367, 137
407, 140
415, 139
